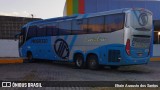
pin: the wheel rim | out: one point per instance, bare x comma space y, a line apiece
92, 62
79, 62
29, 57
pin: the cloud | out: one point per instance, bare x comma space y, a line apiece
18, 14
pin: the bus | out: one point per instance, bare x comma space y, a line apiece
110, 38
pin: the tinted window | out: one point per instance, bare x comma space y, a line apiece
41, 31
96, 24
79, 27
52, 30
23, 33
49, 30
65, 28
84, 26
32, 31
114, 22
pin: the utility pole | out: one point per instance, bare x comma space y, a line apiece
32, 15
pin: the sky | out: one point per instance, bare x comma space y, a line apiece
39, 8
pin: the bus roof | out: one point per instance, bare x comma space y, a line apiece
79, 16
51, 20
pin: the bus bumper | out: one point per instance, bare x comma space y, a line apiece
135, 61
130, 61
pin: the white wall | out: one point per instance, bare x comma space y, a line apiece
156, 50
9, 48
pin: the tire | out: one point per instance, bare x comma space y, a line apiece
29, 58
79, 61
92, 62
114, 67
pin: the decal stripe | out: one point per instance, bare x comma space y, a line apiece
62, 50
59, 48
136, 14
73, 41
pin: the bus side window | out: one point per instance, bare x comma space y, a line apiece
96, 24
32, 32
109, 23
55, 30
114, 22
65, 27
49, 30
52, 30
41, 31
77, 27
84, 26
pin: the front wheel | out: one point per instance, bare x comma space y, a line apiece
29, 58
93, 62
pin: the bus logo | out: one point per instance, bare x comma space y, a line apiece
143, 19
61, 48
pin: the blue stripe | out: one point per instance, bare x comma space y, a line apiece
136, 14
85, 15
72, 42
65, 38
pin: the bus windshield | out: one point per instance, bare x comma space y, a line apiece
22, 36
141, 20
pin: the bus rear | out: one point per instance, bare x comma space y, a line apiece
138, 34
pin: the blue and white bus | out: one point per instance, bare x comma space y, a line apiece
112, 38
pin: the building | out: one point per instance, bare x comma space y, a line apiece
92, 6
10, 26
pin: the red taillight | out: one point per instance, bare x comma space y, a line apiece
128, 46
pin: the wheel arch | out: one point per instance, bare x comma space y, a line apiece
28, 52
89, 54
77, 53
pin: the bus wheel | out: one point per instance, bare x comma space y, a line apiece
114, 67
93, 62
29, 58
79, 61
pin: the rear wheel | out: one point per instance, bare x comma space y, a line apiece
92, 61
79, 61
